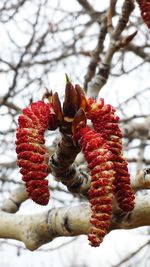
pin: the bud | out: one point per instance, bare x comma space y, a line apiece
70, 105
79, 121
82, 102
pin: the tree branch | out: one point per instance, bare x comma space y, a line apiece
38, 229
115, 43
135, 130
63, 168
95, 15
128, 257
142, 180
16, 198
95, 55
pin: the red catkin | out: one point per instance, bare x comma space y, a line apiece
144, 6
99, 159
105, 122
32, 155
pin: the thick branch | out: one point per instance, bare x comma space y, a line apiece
18, 196
140, 216
63, 169
38, 229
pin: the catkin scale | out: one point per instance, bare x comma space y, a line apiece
105, 122
31, 152
100, 193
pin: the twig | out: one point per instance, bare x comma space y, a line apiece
16, 198
115, 43
95, 59
95, 15
132, 254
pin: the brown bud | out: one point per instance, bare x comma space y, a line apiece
70, 105
126, 40
82, 102
79, 121
57, 107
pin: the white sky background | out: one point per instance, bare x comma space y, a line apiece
118, 243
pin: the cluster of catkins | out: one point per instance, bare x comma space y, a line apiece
101, 145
